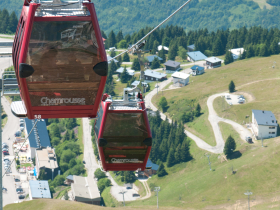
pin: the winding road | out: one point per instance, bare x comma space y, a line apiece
213, 118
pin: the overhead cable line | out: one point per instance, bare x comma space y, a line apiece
152, 30
16, 153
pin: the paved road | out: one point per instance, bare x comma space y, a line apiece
10, 128
89, 157
5, 62
213, 118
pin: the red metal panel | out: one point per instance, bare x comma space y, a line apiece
58, 111
122, 166
25, 42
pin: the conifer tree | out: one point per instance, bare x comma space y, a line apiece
124, 76
13, 21
126, 57
230, 146
170, 158
274, 47
163, 103
172, 53
113, 53
155, 64
264, 51
177, 154
161, 170
197, 110
217, 48
155, 46
228, 58
119, 36
103, 34
185, 152
182, 53
161, 54
135, 65
111, 41
231, 87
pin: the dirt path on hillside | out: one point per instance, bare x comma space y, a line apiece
213, 118
148, 191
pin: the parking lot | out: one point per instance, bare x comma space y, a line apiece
234, 99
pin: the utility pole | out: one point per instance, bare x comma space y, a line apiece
123, 192
157, 189
248, 193
209, 163
262, 140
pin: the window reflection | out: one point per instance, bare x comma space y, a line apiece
63, 54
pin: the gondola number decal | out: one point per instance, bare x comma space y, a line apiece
37, 116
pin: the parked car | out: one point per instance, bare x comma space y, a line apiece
18, 134
21, 196
19, 190
5, 146
21, 120
84, 162
249, 139
21, 129
5, 153
6, 159
241, 96
5, 149
17, 180
135, 195
7, 163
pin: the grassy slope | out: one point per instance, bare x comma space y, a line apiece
217, 80
80, 138
266, 94
47, 204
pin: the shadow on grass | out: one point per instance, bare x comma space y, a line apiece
234, 155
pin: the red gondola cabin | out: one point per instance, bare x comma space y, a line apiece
123, 135
59, 60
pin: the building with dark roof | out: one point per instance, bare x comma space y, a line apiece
191, 48
172, 66
197, 70
196, 56
39, 189
151, 75
213, 62
152, 57
39, 137
151, 169
264, 124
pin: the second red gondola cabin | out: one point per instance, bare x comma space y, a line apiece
123, 135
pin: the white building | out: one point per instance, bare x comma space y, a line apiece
164, 47
264, 124
236, 53
39, 189
180, 79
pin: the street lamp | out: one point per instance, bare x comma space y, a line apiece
123, 192
248, 193
157, 189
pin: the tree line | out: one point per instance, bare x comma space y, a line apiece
170, 142
64, 140
8, 22
257, 41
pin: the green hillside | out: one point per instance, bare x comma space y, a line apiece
132, 15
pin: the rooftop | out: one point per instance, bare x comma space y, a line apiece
180, 75
152, 57
237, 51
213, 60
39, 136
129, 71
154, 74
172, 63
47, 158
160, 48
264, 117
152, 165
192, 46
197, 56
196, 67
39, 189
85, 188
70, 177
135, 83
